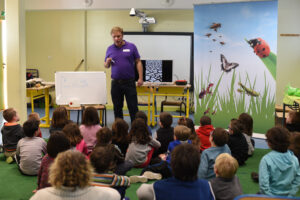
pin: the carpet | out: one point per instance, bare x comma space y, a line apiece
15, 186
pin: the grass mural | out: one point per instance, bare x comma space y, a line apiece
223, 107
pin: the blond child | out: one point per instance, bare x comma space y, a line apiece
226, 185
218, 140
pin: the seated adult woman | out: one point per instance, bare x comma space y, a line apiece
70, 176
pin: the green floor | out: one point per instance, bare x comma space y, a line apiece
15, 186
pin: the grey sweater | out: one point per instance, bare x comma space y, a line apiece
137, 153
226, 188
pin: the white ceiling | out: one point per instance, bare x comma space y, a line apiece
117, 4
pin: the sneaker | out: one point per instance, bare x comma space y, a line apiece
254, 176
9, 159
152, 175
138, 179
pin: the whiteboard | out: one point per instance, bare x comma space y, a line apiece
166, 46
80, 87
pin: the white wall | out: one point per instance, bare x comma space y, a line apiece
288, 48
288, 58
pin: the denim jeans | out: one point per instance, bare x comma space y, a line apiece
119, 89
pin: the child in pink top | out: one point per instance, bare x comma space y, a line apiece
73, 134
89, 127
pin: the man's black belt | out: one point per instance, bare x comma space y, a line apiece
122, 81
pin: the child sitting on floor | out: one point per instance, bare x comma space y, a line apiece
295, 144
57, 143
102, 159
204, 131
218, 140
89, 127
30, 149
293, 121
59, 119
36, 116
142, 115
119, 165
190, 124
12, 132
72, 132
247, 122
163, 169
185, 184
226, 185
279, 172
165, 134
120, 135
142, 145
237, 142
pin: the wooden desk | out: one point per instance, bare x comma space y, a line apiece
40, 92
162, 89
170, 89
146, 90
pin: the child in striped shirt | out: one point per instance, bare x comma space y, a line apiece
102, 159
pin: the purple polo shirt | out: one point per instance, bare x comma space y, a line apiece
124, 60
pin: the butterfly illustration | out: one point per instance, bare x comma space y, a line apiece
226, 66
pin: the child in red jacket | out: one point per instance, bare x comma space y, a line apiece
204, 131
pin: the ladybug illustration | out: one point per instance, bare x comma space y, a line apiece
261, 47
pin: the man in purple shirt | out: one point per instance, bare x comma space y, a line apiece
122, 56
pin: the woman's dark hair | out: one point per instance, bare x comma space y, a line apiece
185, 159
247, 122
30, 127
101, 159
139, 132
237, 126
57, 143
278, 139
295, 117
59, 117
104, 136
90, 116
72, 132
295, 143
120, 131
220, 137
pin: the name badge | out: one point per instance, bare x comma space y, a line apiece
126, 50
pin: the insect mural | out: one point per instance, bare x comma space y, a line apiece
227, 66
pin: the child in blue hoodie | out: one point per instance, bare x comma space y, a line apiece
279, 172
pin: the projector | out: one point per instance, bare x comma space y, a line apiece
147, 20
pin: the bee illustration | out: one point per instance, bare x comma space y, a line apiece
215, 26
208, 35
222, 43
226, 66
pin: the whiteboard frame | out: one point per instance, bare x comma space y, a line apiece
96, 96
189, 34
